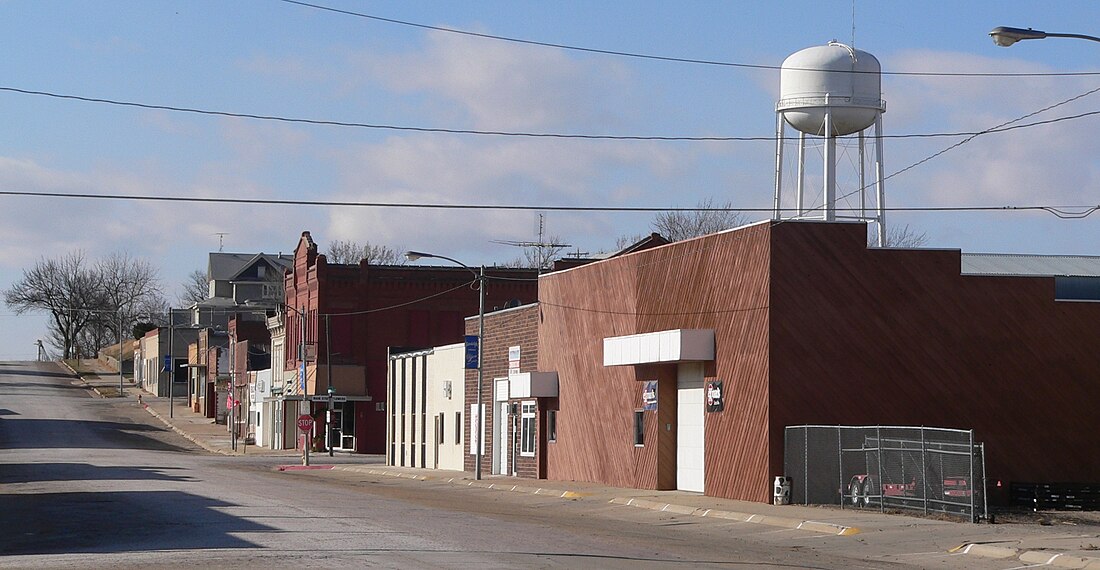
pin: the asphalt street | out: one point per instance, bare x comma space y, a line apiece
87, 481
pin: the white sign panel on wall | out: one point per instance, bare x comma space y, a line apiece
477, 436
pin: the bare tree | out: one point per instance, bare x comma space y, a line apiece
681, 225
64, 288
623, 241
352, 252
130, 286
87, 303
904, 236
195, 288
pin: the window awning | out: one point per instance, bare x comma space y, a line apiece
677, 345
533, 385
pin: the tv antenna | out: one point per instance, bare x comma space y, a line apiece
221, 240
543, 250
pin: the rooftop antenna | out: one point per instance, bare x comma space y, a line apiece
543, 250
221, 240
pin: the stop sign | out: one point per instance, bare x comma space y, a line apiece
305, 422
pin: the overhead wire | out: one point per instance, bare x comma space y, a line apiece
654, 57
1063, 212
499, 133
503, 207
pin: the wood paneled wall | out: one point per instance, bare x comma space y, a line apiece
900, 337
715, 282
812, 326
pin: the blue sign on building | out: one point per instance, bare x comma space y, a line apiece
471, 351
167, 363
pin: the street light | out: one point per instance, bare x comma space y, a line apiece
415, 255
1005, 36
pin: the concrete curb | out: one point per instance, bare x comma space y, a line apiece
1033, 557
466, 482
186, 435
77, 376
783, 522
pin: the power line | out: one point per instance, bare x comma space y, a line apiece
1086, 209
670, 58
443, 130
1071, 212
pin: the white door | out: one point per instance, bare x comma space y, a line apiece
502, 439
689, 428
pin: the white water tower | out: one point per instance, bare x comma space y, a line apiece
831, 91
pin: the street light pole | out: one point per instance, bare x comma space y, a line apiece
1005, 36
415, 255
480, 368
171, 361
121, 388
302, 379
331, 390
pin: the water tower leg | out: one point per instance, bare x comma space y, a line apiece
801, 173
862, 178
778, 164
880, 183
830, 170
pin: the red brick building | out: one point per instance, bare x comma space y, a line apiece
354, 313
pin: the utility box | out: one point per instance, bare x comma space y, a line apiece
781, 494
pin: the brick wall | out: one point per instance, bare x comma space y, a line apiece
503, 329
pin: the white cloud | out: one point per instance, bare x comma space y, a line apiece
508, 172
507, 86
1050, 164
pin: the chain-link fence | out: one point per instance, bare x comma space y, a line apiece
887, 467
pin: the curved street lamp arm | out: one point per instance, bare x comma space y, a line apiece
415, 255
1077, 36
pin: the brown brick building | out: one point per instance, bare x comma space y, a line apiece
517, 400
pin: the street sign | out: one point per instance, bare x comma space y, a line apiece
305, 422
471, 351
325, 398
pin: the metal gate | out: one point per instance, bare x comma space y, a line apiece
887, 467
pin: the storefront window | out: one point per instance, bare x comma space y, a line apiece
527, 429
551, 425
639, 428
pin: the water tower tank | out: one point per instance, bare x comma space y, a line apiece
845, 81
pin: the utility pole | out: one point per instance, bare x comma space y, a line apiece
171, 363
121, 388
302, 377
331, 390
231, 402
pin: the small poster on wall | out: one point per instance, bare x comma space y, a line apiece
649, 396
714, 396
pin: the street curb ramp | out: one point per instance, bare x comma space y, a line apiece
1030, 557
782, 522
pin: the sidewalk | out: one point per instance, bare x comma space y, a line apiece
1030, 544
174, 413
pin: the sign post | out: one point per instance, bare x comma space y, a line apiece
328, 420
305, 424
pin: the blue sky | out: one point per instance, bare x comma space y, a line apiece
269, 57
